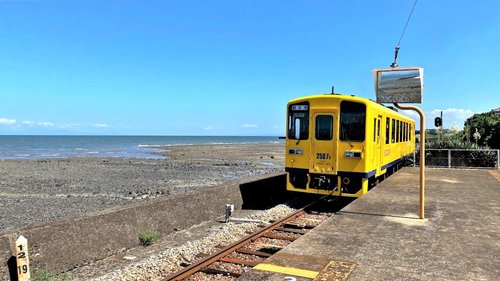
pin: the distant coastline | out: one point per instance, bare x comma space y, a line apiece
35, 147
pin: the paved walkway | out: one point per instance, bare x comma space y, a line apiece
382, 236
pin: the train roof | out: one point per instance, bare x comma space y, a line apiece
330, 96
389, 110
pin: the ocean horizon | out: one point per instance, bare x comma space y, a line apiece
34, 147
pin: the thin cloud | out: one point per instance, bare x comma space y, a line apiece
66, 125
46, 124
6, 121
101, 125
248, 126
452, 116
208, 128
456, 112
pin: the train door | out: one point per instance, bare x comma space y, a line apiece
378, 145
324, 144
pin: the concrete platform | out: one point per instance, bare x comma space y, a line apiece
380, 234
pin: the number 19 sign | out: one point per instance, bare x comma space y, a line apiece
23, 263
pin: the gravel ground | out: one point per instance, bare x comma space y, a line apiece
184, 247
41, 191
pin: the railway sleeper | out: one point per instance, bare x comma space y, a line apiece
208, 270
238, 261
252, 252
279, 237
268, 248
294, 225
289, 230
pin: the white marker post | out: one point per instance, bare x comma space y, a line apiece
22, 260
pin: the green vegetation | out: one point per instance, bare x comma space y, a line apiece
448, 139
483, 129
148, 237
46, 274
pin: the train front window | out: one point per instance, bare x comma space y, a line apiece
352, 121
298, 121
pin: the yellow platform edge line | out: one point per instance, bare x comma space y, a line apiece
287, 270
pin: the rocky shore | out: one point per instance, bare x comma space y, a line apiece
41, 191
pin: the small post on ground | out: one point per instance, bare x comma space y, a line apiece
229, 209
498, 159
22, 259
449, 158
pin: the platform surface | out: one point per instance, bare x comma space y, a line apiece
382, 235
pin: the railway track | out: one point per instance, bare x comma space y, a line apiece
232, 261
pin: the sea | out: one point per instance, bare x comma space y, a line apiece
51, 147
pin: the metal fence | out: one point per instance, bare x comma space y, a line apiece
460, 158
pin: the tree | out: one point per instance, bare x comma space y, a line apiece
487, 125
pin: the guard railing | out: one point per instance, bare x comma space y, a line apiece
460, 158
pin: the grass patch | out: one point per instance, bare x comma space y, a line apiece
46, 274
148, 237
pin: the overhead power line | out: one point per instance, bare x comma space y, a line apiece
396, 49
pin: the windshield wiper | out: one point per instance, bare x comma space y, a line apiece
345, 135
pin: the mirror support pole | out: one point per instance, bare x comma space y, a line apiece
421, 212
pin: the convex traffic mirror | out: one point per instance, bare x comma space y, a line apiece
399, 85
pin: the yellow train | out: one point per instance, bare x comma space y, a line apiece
338, 144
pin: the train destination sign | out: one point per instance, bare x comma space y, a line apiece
399, 85
302, 107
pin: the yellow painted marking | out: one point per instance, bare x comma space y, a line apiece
287, 270
495, 174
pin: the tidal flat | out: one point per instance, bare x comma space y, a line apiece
41, 191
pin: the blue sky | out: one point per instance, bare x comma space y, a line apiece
230, 67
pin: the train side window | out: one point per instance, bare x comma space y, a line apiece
398, 131
401, 133
378, 130
393, 131
398, 127
410, 133
387, 129
406, 131
324, 127
374, 129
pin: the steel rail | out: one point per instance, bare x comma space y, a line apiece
199, 265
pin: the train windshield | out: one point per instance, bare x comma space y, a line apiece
352, 121
298, 121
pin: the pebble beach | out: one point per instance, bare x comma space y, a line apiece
45, 190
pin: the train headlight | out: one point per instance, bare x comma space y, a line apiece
353, 154
296, 151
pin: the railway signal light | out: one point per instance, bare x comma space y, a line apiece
438, 122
